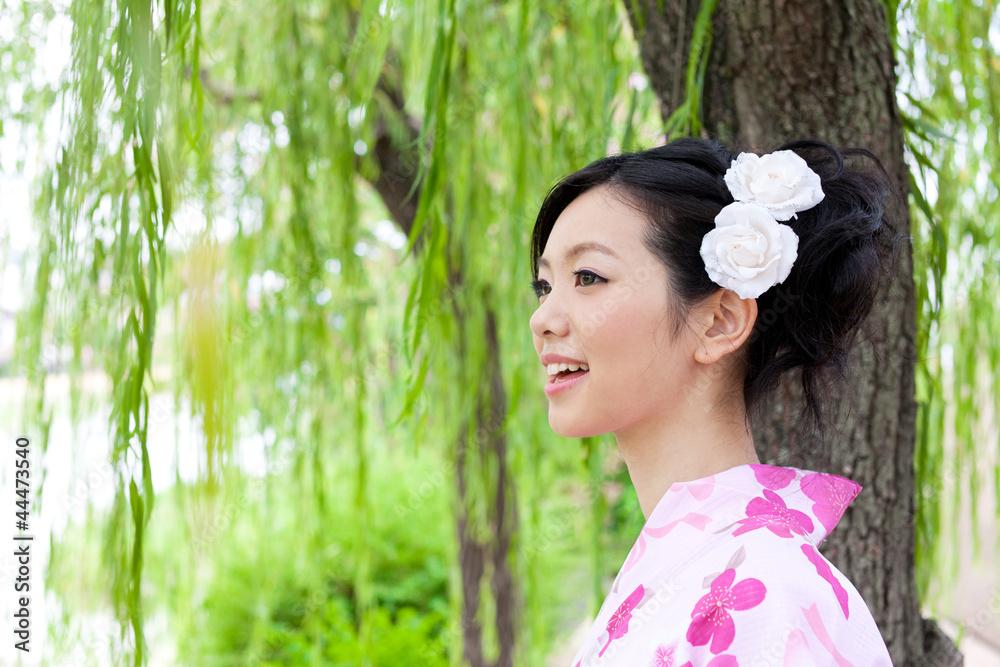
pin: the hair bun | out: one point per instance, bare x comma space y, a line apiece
846, 251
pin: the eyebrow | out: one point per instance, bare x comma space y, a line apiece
579, 249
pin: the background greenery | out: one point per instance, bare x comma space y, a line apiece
206, 236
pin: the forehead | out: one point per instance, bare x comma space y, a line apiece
595, 219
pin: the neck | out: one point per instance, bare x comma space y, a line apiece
687, 446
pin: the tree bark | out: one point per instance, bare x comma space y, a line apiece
504, 515
779, 71
474, 547
398, 160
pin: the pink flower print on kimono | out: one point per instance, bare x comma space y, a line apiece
712, 620
772, 513
823, 569
700, 489
618, 623
664, 657
772, 477
819, 629
831, 494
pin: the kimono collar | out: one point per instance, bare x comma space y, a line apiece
805, 502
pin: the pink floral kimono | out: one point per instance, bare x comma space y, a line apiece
726, 573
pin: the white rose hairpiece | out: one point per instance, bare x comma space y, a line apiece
749, 251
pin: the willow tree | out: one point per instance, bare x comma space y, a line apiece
207, 147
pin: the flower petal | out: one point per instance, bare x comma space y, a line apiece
773, 477
700, 630
724, 633
789, 251
823, 569
748, 593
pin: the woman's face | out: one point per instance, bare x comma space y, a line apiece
608, 310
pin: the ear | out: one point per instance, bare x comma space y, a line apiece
724, 323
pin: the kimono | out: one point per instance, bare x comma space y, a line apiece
726, 573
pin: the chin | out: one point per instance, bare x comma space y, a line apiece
573, 428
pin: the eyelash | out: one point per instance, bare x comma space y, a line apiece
537, 285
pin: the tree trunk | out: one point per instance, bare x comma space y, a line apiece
779, 71
477, 549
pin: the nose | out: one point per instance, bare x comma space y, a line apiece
549, 318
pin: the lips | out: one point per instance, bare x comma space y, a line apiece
564, 382
559, 359
567, 375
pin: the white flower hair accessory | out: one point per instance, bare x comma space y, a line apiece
780, 181
749, 251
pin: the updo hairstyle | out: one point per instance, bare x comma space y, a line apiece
846, 251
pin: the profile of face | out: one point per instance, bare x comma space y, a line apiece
605, 303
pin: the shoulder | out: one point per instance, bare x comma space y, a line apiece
756, 600
810, 612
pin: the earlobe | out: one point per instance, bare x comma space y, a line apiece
730, 320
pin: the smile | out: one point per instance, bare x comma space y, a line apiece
564, 381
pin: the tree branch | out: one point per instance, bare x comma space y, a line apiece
397, 154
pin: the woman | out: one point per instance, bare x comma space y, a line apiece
676, 286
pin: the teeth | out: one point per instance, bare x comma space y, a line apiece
553, 369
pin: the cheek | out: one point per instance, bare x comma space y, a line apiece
636, 322
639, 341
620, 348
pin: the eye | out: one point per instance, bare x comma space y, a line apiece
586, 278
583, 273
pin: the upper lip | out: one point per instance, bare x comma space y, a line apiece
559, 359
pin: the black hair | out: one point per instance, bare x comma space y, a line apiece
846, 250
